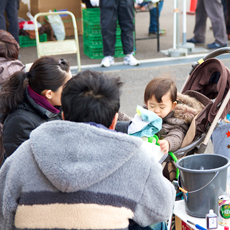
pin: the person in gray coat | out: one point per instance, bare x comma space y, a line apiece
81, 174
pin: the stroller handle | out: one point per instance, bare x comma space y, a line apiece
217, 52
213, 54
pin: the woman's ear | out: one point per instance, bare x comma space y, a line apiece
47, 93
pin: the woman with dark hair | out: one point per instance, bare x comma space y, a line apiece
29, 99
9, 51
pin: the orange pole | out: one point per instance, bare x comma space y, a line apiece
192, 9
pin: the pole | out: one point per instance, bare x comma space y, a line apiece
176, 51
177, 26
174, 25
189, 46
184, 23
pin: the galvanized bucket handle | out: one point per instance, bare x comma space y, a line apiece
185, 191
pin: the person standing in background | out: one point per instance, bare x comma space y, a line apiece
214, 10
226, 7
87, 3
123, 11
11, 8
153, 16
153, 19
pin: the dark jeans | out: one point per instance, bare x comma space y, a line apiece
11, 8
153, 16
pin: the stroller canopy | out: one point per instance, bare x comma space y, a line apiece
212, 79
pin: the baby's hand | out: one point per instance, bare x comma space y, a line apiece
164, 144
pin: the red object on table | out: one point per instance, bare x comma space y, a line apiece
185, 226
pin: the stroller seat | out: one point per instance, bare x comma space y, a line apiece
197, 129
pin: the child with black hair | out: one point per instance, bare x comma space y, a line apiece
176, 111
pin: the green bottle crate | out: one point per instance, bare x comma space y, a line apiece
95, 28
25, 41
96, 52
96, 40
91, 14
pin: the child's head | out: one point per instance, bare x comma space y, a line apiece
160, 96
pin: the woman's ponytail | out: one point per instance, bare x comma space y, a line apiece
12, 93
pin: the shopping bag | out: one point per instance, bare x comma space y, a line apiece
57, 26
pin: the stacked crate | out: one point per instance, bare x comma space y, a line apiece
25, 41
92, 38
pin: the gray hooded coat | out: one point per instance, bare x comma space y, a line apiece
76, 176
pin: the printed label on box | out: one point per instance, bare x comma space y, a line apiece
184, 226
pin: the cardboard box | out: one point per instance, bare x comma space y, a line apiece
181, 225
74, 6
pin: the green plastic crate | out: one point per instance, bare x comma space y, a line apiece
96, 52
25, 41
96, 39
95, 28
91, 14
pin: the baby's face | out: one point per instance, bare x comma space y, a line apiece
163, 108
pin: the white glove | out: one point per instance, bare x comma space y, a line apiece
139, 1
94, 2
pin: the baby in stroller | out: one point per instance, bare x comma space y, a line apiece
176, 111
167, 113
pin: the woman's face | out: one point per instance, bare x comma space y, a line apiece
55, 100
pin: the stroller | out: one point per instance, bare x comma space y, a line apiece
208, 82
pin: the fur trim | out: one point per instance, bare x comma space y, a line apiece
187, 108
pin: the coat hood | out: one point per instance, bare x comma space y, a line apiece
8, 67
76, 165
187, 108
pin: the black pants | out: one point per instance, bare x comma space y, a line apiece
111, 11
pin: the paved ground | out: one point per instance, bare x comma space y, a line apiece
153, 63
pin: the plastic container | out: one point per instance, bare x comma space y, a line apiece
204, 177
211, 220
25, 41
